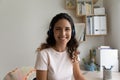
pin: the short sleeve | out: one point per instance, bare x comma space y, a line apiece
41, 61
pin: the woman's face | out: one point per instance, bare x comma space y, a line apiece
62, 32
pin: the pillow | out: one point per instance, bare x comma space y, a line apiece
31, 75
23, 73
14, 75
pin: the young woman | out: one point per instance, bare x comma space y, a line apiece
57, 59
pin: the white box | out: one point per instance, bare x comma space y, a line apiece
107, 58
99, 11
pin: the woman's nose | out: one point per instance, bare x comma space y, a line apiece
62, 32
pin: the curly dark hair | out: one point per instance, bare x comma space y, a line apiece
72, 45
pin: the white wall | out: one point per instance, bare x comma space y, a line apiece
113, 11
23, 26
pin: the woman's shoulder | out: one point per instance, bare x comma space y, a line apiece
44, 53
46, 50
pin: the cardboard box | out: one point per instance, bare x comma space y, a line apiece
99, 11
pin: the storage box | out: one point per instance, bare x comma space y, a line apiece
99, 11
107, 58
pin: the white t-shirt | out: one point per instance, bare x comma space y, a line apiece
58, 64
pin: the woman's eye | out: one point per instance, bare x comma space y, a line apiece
67, 29
57, 29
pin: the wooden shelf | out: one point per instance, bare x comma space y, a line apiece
96, 35
85, 10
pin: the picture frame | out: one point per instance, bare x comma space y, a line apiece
70, 4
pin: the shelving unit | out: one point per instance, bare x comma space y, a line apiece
95, 24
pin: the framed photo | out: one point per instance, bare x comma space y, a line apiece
70, 4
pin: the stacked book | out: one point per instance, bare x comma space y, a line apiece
84, 8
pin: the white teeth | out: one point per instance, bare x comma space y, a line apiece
62, 38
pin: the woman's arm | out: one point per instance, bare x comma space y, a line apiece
77, 72
41, 75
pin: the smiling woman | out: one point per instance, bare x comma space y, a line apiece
58, 58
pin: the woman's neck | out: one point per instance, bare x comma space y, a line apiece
59, 48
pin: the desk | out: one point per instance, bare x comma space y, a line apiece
97, 75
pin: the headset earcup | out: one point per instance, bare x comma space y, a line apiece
50, 33
73, 32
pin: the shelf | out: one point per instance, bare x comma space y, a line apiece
96, 15
96, 35
85, 12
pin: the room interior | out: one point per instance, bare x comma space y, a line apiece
24, 23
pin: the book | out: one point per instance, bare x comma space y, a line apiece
89, 26
103, 27
96, 25
100, 25
79, 8
83, 8
88, 8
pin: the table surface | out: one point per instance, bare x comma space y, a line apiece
97, 75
